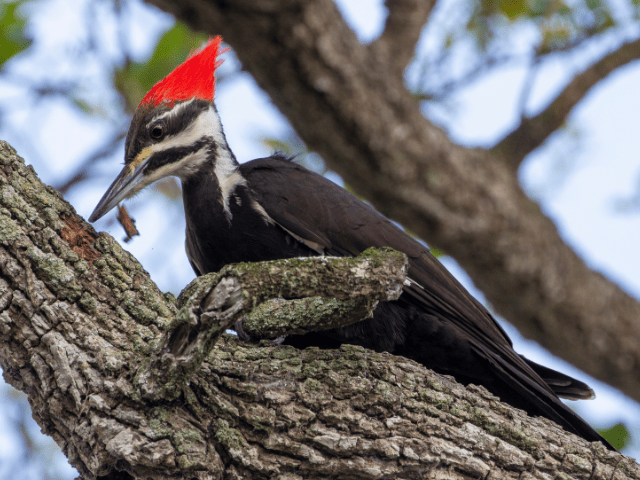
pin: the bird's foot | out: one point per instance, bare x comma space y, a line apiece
245, 337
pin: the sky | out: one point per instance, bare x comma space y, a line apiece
581, 176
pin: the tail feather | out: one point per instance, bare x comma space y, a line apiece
562, 385
542, 400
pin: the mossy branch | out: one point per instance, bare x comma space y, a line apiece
277, 298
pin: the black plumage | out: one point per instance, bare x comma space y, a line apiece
435, 322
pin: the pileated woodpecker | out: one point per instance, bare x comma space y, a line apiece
273, 208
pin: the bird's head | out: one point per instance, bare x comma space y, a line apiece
174, 130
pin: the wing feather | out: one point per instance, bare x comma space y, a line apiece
317, 211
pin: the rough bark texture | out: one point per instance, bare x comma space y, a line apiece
402, 30
310, 293
80, 323
348, 102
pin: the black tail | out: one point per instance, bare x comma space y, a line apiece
562, 385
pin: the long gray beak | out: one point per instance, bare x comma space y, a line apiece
128, 182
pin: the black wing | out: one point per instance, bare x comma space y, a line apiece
436, 321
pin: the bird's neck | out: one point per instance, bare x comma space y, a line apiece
207, 196
213, 183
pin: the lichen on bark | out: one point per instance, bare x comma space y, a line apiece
81, 323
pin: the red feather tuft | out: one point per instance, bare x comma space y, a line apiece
194, 78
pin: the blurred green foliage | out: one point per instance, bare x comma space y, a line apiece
134, 79
617, 435
13, 38
561, 24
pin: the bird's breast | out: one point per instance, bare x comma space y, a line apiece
215, 239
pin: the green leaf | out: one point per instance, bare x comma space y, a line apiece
83, 105
554, 36
514, 8
13, 39
136, 79
605, 21
593, 4
280, 145
617, 435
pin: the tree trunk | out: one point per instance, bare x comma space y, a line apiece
132, 383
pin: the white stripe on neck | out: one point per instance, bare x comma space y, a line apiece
226, 171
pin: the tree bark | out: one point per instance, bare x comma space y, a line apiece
132, 383
348, 102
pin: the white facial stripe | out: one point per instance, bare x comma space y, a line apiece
226, 170
182, 169
226, 165
206, 124
174, 112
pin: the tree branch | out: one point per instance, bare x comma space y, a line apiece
79, 318
533, 131
405, 20
369, 129
289, 296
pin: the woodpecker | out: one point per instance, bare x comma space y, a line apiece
272, 208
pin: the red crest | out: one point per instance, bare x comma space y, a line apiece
193, 78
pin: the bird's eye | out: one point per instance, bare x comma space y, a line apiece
157, 132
